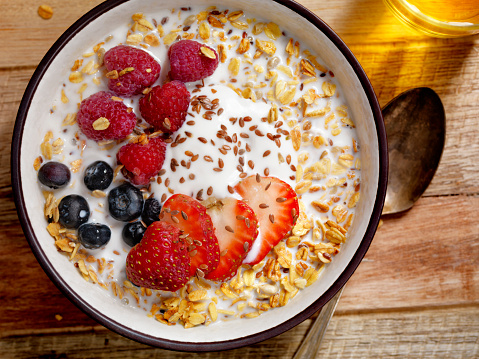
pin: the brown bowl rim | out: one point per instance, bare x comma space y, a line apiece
161, 342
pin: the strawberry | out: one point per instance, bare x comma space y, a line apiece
161, 260
236, 228
276, 206
190, 217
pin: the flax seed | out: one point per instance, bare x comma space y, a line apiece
199, 195
288, 159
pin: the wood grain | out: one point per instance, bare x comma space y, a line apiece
416, 294
439, 333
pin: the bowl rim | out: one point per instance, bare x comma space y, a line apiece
65, 288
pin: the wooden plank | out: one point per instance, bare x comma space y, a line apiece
423, 258
439, 333
27, 36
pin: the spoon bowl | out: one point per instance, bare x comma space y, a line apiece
415, 126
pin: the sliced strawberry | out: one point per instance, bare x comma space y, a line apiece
190, 217
276, 206
161, 260
236, 228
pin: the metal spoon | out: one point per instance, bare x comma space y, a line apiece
416, 126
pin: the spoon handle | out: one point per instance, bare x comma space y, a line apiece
310, 346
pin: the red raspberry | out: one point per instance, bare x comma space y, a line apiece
188, 63
101, 106
136, 70
165, 107
142, 161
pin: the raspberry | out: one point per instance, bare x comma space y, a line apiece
99, 107
135, 70
165, 107
189, 63
142, 161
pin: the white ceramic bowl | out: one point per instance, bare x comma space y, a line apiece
95, 301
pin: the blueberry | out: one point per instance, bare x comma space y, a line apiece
151, 211
98, 175
74, 211
125, 202
133, 233
94, 235
54, 175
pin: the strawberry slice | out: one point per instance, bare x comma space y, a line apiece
236, 228
190, 216
276, 206
161, 260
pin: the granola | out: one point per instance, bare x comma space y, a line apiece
279, 112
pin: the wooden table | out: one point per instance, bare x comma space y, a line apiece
416, 294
